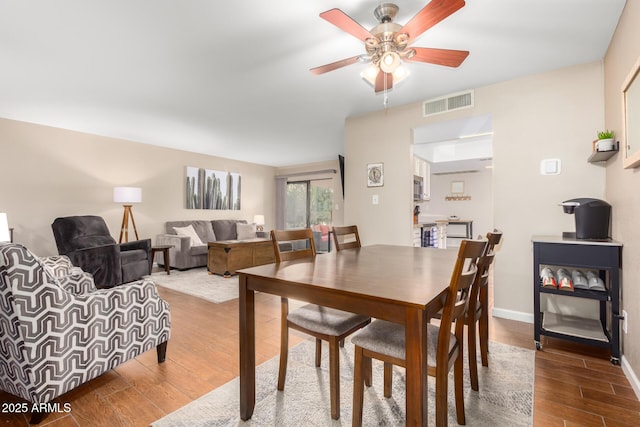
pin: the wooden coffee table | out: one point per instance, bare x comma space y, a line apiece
227, 256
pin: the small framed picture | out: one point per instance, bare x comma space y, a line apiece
457, 187
375, 175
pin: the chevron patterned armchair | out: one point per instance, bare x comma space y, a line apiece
57, 331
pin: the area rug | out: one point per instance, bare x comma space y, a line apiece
505, 397
199, 283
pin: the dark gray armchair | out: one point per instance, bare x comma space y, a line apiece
88, 244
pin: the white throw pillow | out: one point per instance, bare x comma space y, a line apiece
246, 231
189, 231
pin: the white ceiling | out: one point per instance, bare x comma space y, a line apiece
231, 78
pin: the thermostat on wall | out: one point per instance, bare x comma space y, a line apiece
550, 167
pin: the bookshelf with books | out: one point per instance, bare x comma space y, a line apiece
578, 268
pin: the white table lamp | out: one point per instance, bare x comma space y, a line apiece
258, 220
127, 196
5, 235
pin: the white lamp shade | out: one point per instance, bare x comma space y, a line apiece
258, 219
127, 195
4, 228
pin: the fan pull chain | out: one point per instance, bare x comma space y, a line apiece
385, 101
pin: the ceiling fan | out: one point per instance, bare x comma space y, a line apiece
387, 44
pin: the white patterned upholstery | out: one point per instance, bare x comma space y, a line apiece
52, 340
70, 278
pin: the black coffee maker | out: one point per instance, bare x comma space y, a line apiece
593, 217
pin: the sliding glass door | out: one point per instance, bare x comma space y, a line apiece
309, 205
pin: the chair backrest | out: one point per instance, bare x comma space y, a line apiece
482, 277
301, 243
493, 238
346, 237
79, 232
456, 304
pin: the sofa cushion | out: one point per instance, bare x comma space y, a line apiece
225, 229
199, 250
203, 229
246, 231
190, 232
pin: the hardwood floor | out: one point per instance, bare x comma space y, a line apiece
572, 386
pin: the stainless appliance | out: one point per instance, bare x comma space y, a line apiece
592, 216
418, 188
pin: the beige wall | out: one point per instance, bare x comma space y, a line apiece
622, 184
48, 172
551, 115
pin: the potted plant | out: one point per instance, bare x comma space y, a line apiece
605, 141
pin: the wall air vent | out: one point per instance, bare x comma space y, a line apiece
444, 104
455, 172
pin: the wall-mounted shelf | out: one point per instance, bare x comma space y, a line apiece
603, 156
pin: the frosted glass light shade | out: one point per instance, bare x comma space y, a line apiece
258, 219
4, 228
127, 195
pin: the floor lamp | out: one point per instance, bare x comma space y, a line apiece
127, 196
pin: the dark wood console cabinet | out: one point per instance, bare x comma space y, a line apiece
603, 257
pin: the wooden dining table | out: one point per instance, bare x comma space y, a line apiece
400, 284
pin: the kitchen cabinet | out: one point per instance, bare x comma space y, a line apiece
417, 236
422, 168
603, 258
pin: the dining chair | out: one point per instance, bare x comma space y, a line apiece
478, 312
323, 323
346, 237
383, 340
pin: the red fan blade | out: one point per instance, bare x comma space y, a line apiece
345, 23
429, 16
446, 57
334, 65
383, 81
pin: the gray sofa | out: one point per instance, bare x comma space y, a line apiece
183, 255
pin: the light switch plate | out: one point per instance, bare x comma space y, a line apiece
550, 167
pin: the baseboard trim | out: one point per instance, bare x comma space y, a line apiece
631, 376
520, 316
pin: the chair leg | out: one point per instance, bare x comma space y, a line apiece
484, 337
484, 326
334, 377
458, 373
473, 357
318, 352
162, 351
388, 379
284, 345
368, 371
358, 386
442, 410
37, 417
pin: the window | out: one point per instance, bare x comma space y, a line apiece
309, 205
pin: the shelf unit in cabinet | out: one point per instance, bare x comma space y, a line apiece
601, 256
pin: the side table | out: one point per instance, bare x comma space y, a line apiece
165, 252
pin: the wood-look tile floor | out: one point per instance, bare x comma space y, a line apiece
572, 385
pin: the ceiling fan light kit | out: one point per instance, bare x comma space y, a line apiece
387, 44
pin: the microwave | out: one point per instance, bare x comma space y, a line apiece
418, 187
